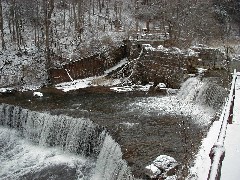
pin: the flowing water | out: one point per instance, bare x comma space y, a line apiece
28, 130
72, 136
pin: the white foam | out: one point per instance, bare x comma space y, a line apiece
188, 102
19, 157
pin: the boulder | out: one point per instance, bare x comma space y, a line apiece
162, 167
152, 171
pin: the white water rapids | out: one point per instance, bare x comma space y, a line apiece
37, 145
196, 99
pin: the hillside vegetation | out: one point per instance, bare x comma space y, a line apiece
36, 34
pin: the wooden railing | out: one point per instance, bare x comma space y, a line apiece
217, 152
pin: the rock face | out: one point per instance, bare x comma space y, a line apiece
163, 167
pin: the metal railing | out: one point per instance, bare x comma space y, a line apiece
217, 152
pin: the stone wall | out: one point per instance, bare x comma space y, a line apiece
160, 67
210, 57
87, 67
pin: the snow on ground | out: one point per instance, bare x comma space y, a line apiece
236, 110
25, 68
231, 162
76, 84
6, 90
202, 161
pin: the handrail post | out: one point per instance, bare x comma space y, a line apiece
216, 154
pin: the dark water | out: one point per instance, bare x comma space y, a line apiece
142, 135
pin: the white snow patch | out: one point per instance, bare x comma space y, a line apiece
6, 90
29, 88
148, 47
122, 89
37, 94
172, 177
231, 161
161, 163
201, 70
202, 161
191, 52
161, 85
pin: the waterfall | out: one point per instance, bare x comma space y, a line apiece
197, 99
189, 91
109, 163
204, 92
78, 136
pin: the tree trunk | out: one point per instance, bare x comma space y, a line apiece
12, 20
49, 6
1, 26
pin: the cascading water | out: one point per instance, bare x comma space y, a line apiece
109, 163
204, 92
198, 99
78, 147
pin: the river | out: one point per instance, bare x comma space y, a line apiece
145, 125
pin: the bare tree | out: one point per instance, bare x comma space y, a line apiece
1, 26
48, 10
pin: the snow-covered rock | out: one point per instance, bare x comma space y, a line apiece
148, 47
161, 85
37, 94
6, 90
165, 162
152, 171
163, 166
